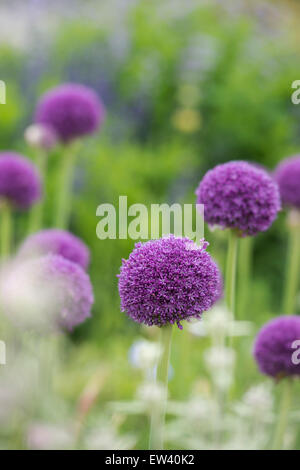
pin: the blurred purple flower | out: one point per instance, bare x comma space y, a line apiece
287, 175
49, 293
56, 242
72, 110
167, 281
273, 349
240, 196
19, 180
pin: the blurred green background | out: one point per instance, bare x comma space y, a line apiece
186, 85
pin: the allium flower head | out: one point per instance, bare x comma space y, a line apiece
40, 136
56, 242
287, 175
72, 110
275, 345
46, 293
240, 196
168, 280
20, 182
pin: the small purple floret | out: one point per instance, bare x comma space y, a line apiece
168, 280
72, 110
273, 349
287, 175
56, 242
239, 196
20, 182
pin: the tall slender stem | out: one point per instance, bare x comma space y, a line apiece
292, 267
185, 360
244, 275
36, 214
159, 411
286, 400
6, 230
231, 264
65, 187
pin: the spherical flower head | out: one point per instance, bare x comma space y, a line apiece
239, 196
20, 182
41, 136
168, 280
72, 110
45, 294
287, 175
56, 242
275, 345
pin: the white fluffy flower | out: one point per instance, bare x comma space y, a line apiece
151, 394
218, 324
220, 363
257, 402
144, 354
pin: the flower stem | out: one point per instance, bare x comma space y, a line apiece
231, 265
286, 400
185, 360
292, 269
36, 214
159, 411
65, 188
6, 230
244, 275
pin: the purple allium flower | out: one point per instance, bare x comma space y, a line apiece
273, 348
167, 281
287, 175
46, 293
41, 136
19, 180
56, 242
240, 196
72, 110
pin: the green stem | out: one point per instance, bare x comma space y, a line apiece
6, 230
292, 270
159, 411
185, 360
65, 188
283, 414
36, 214
244, 275
231, 264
